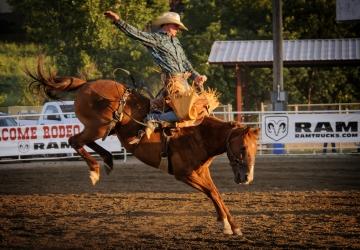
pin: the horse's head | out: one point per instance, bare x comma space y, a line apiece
241, 146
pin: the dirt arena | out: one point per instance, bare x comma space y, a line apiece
294, 203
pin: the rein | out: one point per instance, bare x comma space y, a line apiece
234, 160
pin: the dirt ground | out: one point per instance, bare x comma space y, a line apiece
307, 202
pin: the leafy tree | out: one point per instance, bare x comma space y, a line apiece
248, 20
81, 41
317, 20
14, 59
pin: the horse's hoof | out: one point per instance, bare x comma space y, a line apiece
226, 227
94, 177
228, 231
237, 231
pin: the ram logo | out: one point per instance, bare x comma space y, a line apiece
276, 127
23, 147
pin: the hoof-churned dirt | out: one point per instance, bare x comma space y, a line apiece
293, 203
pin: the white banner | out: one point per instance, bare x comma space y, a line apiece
310, 128
46, 139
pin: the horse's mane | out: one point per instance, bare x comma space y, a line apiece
215, 123
209, 125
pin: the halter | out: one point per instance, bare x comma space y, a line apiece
234, 160
119, 113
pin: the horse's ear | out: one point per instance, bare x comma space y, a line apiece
236, 124
256, 132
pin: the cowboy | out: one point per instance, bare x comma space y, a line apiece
167, 52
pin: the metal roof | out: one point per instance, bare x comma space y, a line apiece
295, 52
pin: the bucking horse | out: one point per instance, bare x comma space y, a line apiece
189, 150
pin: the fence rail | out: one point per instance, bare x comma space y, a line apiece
248, 118
316, 106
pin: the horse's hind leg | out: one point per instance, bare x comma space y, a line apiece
77, 142
105, 155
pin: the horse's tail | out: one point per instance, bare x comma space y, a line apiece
52, 85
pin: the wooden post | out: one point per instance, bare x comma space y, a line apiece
239, 93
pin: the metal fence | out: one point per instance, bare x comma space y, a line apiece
252, 119
316, 106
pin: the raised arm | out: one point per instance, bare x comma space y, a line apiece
146, 38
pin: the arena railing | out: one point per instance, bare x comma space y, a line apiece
248, 118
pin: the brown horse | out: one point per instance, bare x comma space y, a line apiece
191, 150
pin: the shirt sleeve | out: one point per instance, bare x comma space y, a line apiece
190, 68
146, 38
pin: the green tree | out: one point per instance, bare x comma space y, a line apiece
81, 41
249, 20
14, 59
317, 20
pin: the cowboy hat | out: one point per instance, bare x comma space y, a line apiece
167, 18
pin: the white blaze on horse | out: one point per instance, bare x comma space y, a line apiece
189, 150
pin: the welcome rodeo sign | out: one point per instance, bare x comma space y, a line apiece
310, 128
45, 139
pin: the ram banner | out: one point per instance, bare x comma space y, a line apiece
310, 128
45, 139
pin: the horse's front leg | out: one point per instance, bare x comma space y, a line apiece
228, 221
201, 180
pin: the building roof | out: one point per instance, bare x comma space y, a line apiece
259, 53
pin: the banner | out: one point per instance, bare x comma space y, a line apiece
46, 139
310, 128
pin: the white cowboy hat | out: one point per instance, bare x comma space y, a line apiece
166, 18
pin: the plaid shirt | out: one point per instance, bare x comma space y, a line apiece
166, 51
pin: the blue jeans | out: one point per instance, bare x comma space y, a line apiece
169, 116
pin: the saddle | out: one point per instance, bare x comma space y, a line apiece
191, 108
167, 131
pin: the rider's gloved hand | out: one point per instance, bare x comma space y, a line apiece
112, 16
200, 80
